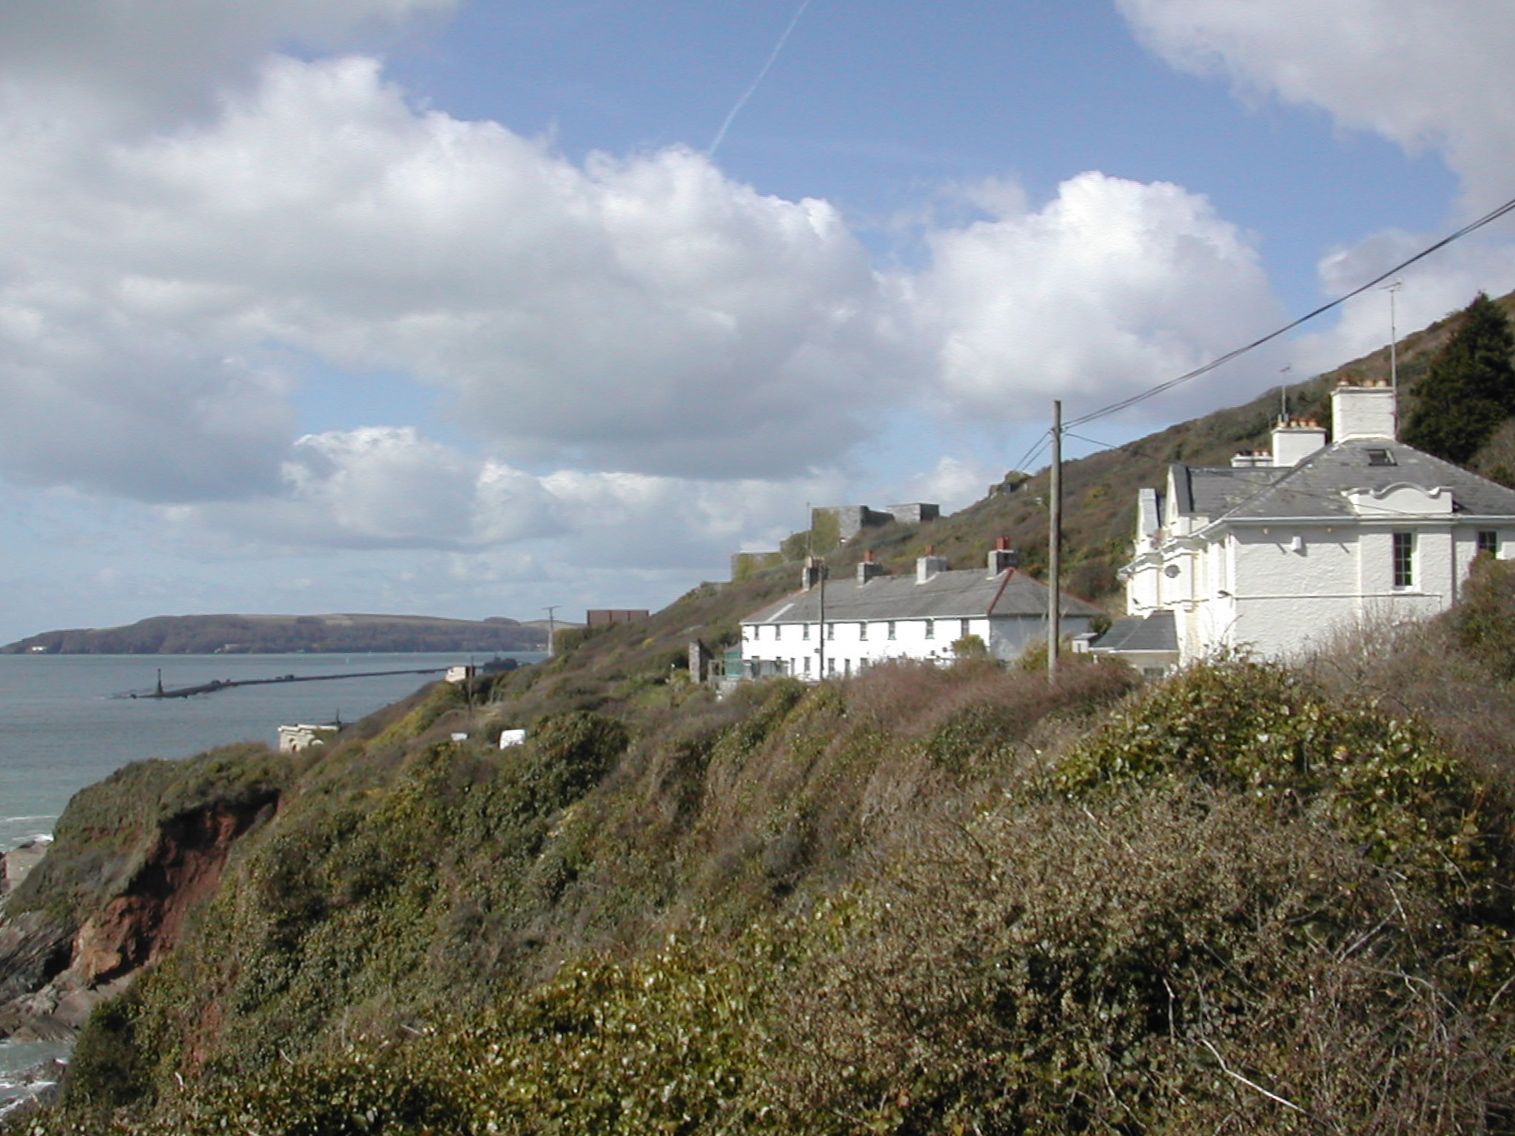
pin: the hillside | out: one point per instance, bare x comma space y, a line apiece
1252, 898
286, 634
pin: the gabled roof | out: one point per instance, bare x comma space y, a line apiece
1315, 487
1153, 632
959, 594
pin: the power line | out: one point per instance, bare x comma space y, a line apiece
1160, 388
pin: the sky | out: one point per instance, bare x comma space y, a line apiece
474, 308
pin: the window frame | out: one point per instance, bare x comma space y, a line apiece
1402, 560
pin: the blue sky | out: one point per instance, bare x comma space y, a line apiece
458, 308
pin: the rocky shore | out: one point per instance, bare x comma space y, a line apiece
46, 989
55, 971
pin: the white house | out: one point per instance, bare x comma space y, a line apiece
1282, 549
841, 627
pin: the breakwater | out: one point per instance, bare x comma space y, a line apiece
160, 691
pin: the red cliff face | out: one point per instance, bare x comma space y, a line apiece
180, 868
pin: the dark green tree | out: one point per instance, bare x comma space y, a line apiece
1469, 388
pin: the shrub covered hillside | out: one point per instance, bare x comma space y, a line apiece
1252, 898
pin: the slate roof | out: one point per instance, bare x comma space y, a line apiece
1211, 492
1314, 487
1153, 632
955, 594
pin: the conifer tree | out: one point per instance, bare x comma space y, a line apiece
1469, 388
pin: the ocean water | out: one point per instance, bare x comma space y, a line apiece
67, 721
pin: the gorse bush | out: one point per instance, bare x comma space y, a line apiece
1268, 731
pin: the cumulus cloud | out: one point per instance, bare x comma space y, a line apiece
1110, 287
394, 488
641, 313
1425, 76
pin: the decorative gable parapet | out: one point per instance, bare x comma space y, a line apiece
1400, 501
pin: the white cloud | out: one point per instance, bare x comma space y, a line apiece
73, 64
1425, 76
642, 313
1112, 286
393, 488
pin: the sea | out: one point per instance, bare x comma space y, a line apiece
67, 721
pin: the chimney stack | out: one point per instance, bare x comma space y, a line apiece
1363, 411
868, 568
1002, 557
1295, 439
813, 573
929, 565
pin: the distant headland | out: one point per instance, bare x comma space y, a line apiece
286, 634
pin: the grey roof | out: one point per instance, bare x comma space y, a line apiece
1314, 487
961, 594
1154, 632
1211, 492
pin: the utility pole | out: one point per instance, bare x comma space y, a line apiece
552, 627
1392, 289
1054, 543
821, 571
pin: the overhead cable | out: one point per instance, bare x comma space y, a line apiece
1152, 392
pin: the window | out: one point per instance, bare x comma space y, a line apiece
964, 628
805, 634
1380, 457
891, 629
930, 629
831, 666
1404, 560
1488, 541
830, 631
862, 631
807, 664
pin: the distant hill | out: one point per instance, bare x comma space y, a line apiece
284, 634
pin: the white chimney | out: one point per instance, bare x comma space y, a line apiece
929, 565
1295, 439
1363, 411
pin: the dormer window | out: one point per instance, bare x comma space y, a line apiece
1380, 457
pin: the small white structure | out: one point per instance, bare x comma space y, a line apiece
843, 627
509, 738
1281, 550
460, 673
293, 739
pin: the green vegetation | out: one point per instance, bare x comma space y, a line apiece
1469, 386
1252, 898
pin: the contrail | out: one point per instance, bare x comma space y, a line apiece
720, 135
